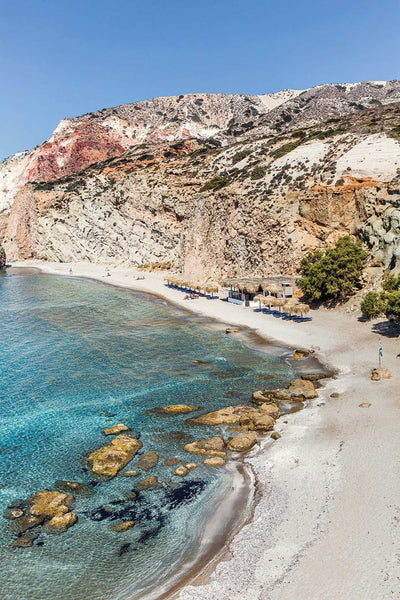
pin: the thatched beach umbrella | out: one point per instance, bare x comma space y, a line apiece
291, 307
303, 309
211, 288
271, 287
259, 298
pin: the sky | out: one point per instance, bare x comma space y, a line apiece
61, 59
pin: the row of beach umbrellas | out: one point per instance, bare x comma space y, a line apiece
294, 308
207, 288
252, 286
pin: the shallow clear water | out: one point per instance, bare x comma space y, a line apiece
77, 356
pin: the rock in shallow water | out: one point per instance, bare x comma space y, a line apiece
214, 446
111, 458
147, 461
215, 461
148, 483
119, 428
175, 409
120, 527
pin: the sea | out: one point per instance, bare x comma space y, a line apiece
78, 356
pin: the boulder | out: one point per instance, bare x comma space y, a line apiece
181, 471
119, 428
335, 395
262, 422
25, 541
111, 458
122, 526
302, 388
60, 523
275, 435
2, 258
214, 446
379, 374
228, 415
49, 504
365, 405
242, 442
232, 330
259, 398
316, 375
298, 354
148, 483
215, 461
175, 409
270, 409
147, 461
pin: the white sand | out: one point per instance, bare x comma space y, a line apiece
327, 524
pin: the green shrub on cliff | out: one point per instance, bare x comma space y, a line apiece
334, 273
215, 184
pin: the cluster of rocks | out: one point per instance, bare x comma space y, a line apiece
50, 511
45, 510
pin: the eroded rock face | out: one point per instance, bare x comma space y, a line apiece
214, 446
111, 458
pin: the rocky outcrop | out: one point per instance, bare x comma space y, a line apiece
245, 416
214, 446
111, 458
298, 390
49, 509
115, 429
2, 258
217, 184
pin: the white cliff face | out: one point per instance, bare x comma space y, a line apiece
376, 156
12, 178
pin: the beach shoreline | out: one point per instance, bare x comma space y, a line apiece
302, 541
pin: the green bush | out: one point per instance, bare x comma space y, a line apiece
258, 172
395, 132
240, 156
215, 184
334, 273
285, 149
373, 305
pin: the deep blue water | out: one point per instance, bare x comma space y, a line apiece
77, 356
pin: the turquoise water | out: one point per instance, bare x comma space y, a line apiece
77, 356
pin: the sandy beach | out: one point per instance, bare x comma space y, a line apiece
327, 522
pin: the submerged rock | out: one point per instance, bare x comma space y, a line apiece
130, 473
25, 541
215, 461
119, 428
77, 488
13, 513
123, 526
214, 446
148, 483
175, 409
111, 458
242, 442
147, 461
171, 462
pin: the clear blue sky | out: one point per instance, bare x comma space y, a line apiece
62, 59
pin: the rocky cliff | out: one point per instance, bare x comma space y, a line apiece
219, 184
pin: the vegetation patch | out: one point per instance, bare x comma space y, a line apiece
240, 156
285, 149
333, 274
258, 172
217, 183
386, 302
